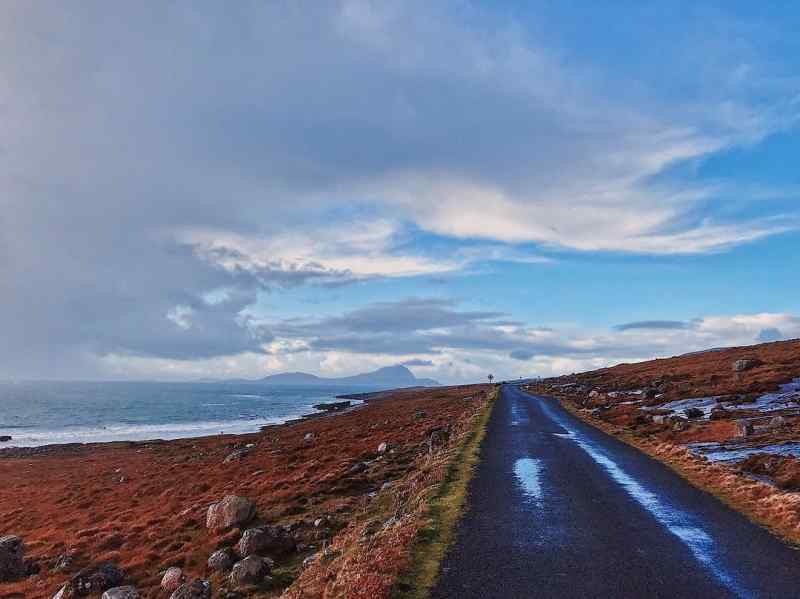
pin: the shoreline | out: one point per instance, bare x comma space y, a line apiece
8, 449
143, 505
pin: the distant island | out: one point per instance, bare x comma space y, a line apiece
390, 377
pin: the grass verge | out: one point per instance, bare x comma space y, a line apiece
445, 508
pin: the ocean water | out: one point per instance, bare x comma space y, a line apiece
42, 413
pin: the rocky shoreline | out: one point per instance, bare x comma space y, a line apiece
227, 515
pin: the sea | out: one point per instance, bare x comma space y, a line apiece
43, 413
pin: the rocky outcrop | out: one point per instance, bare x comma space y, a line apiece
92, 581
196, 589
12, 558
251, 570
231, 511
127, 592
221, 560
746, 364
272, 540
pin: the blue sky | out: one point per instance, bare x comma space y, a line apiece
191, 190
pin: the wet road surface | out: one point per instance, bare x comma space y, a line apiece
558, 508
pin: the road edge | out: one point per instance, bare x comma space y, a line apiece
444, 512
774, 509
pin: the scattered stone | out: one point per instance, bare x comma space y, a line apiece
127, 592
251, 570
221, 560
236, 456
438, 438
357, 468
383, 447
231, 511
63, 563
420, 415
92, 581
5, 438
172, 579
777, 422
196, 589
274, 540
679, 425
320, 522
746, 364
12, 558
744, 428
310, 560
693, 413
309, 438
594, 394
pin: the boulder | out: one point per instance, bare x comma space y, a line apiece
231, 511
221, 560
383, 447
251, 570
92, 581
12, 558
309, 437
5, 438
679, 425
172, 579
196, 589
273, 540
746, 364
594, 394
127, 592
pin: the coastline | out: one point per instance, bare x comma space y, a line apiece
141, 505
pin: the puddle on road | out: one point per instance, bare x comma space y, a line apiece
528, 472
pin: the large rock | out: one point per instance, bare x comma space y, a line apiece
196, 589
127, 592
251, 570
92, 581
12, 558
5, 438
746, 364
273, 540
172, 579
221, 560
231, 511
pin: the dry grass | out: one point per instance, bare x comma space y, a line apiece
385, 542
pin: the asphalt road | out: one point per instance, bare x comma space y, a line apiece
558, 508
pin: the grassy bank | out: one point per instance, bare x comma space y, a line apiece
445, 508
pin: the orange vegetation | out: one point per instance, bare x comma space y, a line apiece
143, 505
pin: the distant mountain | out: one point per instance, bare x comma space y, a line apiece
390, 377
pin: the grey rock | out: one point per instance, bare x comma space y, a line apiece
383, 447
127, 592
221, 560
12, 558
273, 540
231, 511
196, 589
251, 570
92, 581
357, 468
172, 579
746, 364
236, 456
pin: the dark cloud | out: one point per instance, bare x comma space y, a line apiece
654, 324
418, 362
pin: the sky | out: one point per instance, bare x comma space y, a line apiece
204, 189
